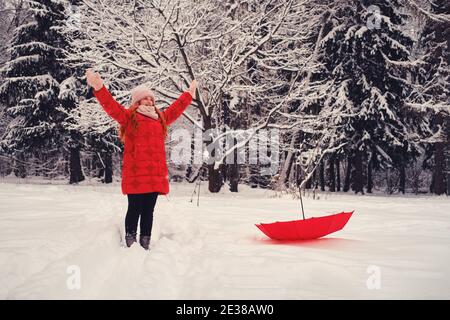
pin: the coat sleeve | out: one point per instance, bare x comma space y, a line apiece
177, 108
114, 109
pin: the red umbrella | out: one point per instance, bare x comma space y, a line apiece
305, 229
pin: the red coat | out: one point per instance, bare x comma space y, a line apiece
144, 167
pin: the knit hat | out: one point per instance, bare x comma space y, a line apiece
141, 92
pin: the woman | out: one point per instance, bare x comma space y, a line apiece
143, 128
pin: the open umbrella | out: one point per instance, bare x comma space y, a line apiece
306, 229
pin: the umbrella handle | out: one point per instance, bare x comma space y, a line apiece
300, 192
301, 202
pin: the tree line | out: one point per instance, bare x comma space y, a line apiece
359, 90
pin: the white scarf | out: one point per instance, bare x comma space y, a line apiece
148, 111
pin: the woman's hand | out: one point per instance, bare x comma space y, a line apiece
94, 80
193, 88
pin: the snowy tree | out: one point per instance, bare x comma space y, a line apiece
69, 95
238, 51
366, 52
431, 91
31, 87
12, 14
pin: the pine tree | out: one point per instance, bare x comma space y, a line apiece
71, 89
11, 16
31, 89
365, 48
433, 92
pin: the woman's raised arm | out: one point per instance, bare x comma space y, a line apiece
114, 109
177, 108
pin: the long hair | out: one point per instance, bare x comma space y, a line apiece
134, 124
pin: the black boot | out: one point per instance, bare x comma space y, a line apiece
130, 239
144, 241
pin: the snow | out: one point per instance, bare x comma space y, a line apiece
29, 60
332, 34
214, 251
39, 80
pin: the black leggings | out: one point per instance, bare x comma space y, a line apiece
140, 205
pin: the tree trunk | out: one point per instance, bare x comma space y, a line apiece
447, 147
338, 174
432, 183
287, 166
67, 165
322, 175
215, 177
98, 166
439, 163
108, 167
357, 173
369, 176
314, 180
348, 174
331, 175
309, 182
20, 170
233, 176
438, 169
402, 181
297, 171
215, 181
76, 174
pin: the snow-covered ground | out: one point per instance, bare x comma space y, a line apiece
62, 242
